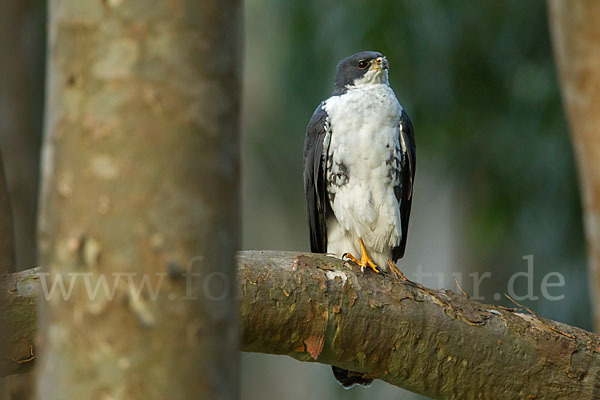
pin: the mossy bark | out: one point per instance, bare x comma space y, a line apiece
443, 345
140, 177
576, 41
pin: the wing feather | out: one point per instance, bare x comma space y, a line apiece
404, 191
316, 147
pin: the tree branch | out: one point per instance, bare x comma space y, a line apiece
437, 343
19, 297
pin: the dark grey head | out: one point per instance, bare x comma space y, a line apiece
366, 67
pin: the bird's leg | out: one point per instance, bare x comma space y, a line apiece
396, 272
365, 260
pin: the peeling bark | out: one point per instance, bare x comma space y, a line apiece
437, 343
576, 41
140, 176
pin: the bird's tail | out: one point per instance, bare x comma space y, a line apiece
350, 378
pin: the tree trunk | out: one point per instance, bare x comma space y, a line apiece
21, 107
315, 308
7, 239
22, 44
7, 264
576, 40
140, 187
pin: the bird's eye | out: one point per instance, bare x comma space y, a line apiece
362, 64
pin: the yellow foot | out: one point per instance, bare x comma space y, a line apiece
396, 272
365, 260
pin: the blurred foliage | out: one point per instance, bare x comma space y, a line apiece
479, 82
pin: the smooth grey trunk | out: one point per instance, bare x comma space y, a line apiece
576, 41
7, 264
22, 43
7, 237
140, 179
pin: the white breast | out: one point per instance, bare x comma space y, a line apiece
364, 135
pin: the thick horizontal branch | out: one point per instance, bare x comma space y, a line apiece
18, 313
437, 343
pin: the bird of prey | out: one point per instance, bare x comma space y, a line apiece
359, 167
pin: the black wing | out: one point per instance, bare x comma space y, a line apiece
404, 191
317, 138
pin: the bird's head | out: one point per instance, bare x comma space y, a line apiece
361, 69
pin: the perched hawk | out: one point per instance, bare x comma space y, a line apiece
359, 167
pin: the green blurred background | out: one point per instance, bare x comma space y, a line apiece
496, 179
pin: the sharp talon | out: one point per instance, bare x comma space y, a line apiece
350, 257
365, 261
396, 272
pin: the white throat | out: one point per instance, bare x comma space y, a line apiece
371, 77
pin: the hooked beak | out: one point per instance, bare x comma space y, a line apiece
379, 64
